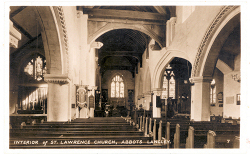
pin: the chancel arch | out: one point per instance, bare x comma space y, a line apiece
113, 26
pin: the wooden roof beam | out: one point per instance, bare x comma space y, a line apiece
124, 14
160, 9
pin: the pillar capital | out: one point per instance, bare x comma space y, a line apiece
201, 79
55, 78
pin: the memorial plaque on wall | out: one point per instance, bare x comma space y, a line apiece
158, 101
91, 101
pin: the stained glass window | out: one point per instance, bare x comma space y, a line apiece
172, 87
165, 85
113, 89
117, 87
36, 68
29, 69
168, 83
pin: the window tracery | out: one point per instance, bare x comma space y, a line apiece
36, 68
168, 83
117, 87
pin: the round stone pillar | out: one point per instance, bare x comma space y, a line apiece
58, 103
200, 98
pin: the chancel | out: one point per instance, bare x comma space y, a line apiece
124, 77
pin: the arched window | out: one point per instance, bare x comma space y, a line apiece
36, 68
117, 87
168, 83
213, 93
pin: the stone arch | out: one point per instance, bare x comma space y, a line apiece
54, 35
113, 26
163, 62
147, 81
207, 55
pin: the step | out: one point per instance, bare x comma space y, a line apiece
73, 133
78, 126
74, 129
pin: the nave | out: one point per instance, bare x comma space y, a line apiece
126, 132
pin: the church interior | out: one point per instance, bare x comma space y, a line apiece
163, 77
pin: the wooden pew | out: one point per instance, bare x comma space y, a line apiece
222, 140
200, 132
177, 137
185, 134
190, 138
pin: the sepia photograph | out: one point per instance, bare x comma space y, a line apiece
131, 76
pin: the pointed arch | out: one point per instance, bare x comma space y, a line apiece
113, 26
163, 62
